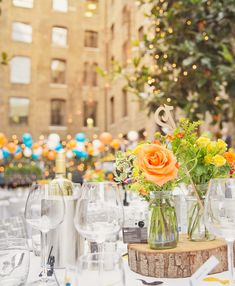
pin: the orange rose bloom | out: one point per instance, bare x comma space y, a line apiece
157, 163
230, 157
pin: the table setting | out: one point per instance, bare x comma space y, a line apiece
167, 218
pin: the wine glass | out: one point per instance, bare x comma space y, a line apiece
101, 269
220, 215
44, 211
99, 212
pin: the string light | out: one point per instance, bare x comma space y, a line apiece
158, 29
165, 56
151, 46
206, 38
170, 30
188, 22
175, 79
163, 34
157, 57
174, 65
194, 67
168, 99
157, 22
185, 73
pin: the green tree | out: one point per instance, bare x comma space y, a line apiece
191, 46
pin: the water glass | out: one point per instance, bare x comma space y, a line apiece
101, 269
14, 261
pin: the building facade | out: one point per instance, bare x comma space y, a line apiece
50, 84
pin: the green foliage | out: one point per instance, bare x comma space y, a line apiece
200, 158
23, 170
191, 46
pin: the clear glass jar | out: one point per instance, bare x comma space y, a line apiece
162, 221
196, 229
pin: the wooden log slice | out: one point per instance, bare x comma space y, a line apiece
178, 262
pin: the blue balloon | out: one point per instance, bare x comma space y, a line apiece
59, 147
80, 137
18, 149
27, 137
77, 153
35, 156
28, 143
84, 155
5, 153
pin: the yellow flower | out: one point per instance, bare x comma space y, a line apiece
138, 148
218, 161
203, 141
211, 147
208, 159
221, 145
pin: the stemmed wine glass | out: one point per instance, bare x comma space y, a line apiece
99, 212
44, 211
220, 215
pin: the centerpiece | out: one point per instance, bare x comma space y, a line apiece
201, 159
151, 170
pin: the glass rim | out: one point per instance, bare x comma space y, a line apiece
99, 183
101, 255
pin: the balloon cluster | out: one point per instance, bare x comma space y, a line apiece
77, 147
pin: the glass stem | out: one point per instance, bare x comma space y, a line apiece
230, 261
44, 256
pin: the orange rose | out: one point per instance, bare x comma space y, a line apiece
157, 163
230, 157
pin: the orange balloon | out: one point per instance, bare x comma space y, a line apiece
45, 152
11, 147
51, 155
36, 146
72, 143
115, 144
106, 138
101, 147
90, 149
18, 156
3, 140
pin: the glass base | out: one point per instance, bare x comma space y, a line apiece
162, 246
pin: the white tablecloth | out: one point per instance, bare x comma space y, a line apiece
131, 277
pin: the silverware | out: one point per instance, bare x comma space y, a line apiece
150, 283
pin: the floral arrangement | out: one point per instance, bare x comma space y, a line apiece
152, 170
201, 158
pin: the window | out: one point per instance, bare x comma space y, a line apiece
85, 73
59, 36
58, 70
94, 74
23, 3
20, 70
57, 112
141, 33
19, 110
112, 31
124, 103
21, 32
125, 53
125, 15
60, 5
112, 110
91, 39
90, 113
